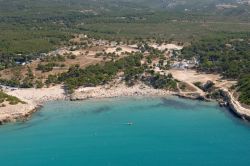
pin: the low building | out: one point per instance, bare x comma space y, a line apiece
180, 65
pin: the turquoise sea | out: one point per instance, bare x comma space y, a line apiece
163, 132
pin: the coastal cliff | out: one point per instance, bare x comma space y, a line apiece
235, 105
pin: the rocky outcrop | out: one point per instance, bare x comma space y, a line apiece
6, 118
193, 96
235, 105
33, 99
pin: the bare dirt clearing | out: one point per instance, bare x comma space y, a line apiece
191, 76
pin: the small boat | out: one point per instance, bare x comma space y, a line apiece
130, 123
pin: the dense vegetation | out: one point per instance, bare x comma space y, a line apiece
162, 82
102, 73
229, 56
129, 68
29, 28
48, 67
244, 89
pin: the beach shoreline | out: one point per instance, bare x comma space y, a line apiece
35, 98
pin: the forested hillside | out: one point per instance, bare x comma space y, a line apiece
31, 27
229, 56
35, 26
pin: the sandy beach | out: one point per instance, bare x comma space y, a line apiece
34, 98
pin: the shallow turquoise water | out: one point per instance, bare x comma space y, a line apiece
95, 133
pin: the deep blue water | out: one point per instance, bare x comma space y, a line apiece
165, 131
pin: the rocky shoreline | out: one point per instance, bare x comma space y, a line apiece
33, 98
18, 117
193, 96
235, 105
